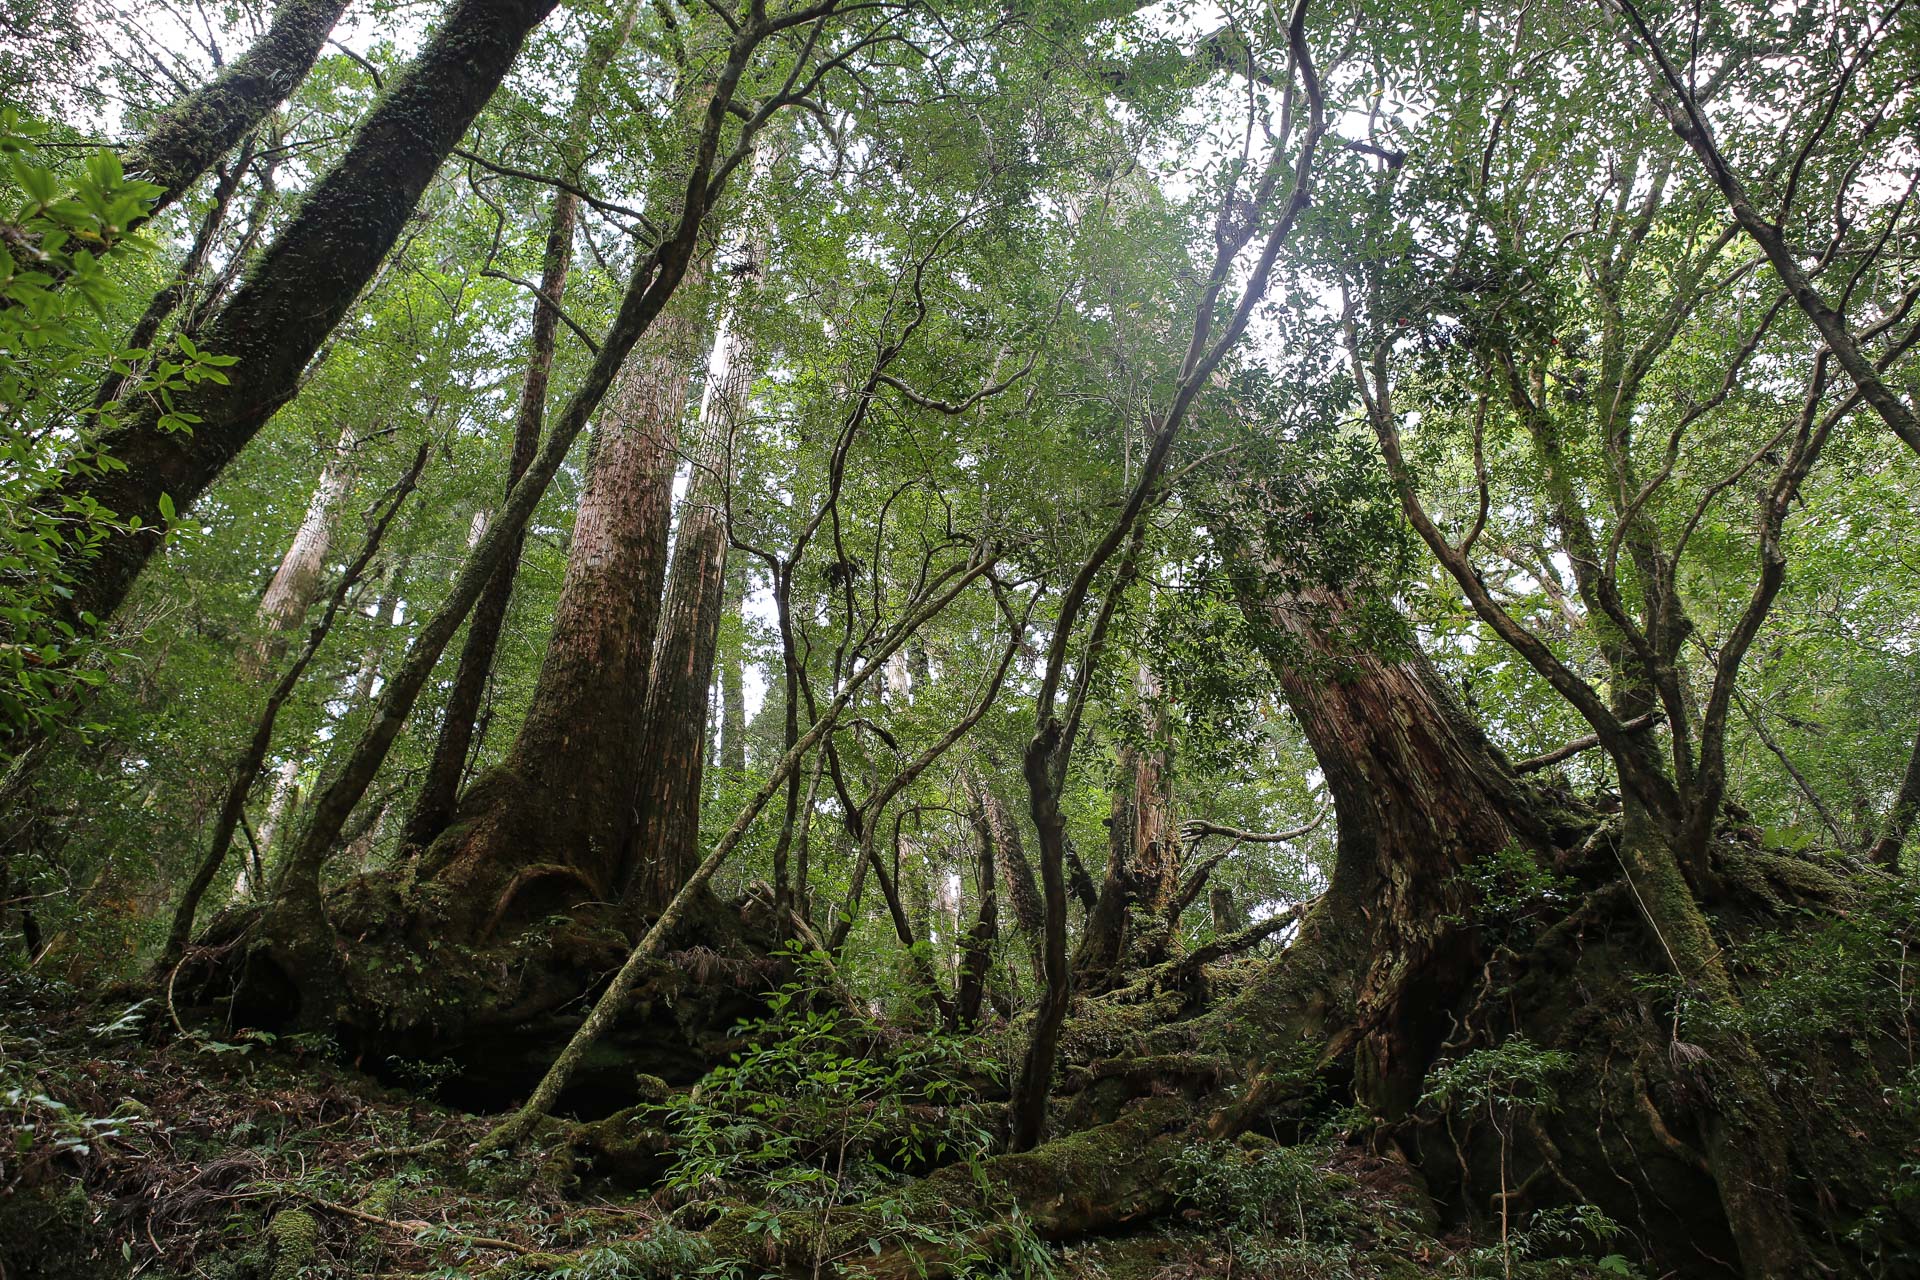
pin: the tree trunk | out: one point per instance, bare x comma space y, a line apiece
191, 135
386, 609
1419, 794
1746, 1144
733, 692
298, 291
1143, 863
565, 795
296, 583
1228, 918
666, 837
434, 806
1002, 832
976, 950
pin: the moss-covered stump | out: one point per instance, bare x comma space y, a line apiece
481, 1020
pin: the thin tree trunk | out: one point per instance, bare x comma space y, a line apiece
298, 291
385, 610
1228, 918
281, 801
163, 303
1002, 831
248, 769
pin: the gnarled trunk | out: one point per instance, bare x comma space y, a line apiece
1420, 794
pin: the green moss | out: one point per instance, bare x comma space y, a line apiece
293, 1241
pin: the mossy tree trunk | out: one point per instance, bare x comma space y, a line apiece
298, 291
191, 135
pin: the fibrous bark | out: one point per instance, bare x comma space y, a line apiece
564, 795
1419, 794
666, 835
1002, 831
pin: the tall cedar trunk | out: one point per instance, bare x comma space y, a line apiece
733, 693
564, 796
666, 837
191, 135
298, 290
1143, 863
296, 583
299, 943
439, 791
1419, 794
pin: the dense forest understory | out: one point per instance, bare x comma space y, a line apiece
889, 638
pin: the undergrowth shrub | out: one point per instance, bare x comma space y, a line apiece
829, 1109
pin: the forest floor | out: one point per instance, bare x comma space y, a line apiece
149, 1150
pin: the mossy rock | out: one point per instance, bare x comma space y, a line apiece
293, 1242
